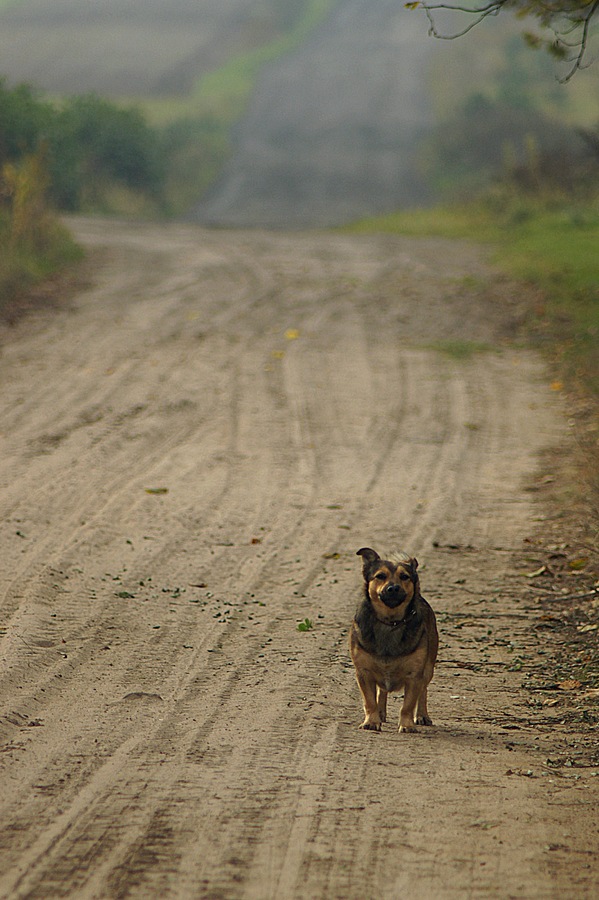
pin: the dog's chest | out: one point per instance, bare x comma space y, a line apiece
389, 642
386, 642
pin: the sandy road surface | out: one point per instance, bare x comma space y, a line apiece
167, 731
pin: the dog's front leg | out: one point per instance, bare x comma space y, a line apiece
381, 702
367, 685
422, 716
412, 691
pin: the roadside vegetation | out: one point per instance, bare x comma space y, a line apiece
76, 157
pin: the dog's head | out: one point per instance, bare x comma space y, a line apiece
389, 584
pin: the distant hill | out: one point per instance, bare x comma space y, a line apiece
130, 48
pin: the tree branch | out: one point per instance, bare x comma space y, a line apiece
564, 17
583, 44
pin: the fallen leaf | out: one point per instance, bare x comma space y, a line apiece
292, 334
579, 563
570, 684
331, 556
557, 385
583, 629
256, 541
278, 354
159, 490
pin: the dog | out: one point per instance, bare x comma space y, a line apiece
393, 641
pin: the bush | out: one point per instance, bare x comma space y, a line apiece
95, 143
33, 244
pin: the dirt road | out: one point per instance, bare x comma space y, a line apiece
191, 454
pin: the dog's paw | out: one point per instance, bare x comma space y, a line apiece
407, 729
370, 726
424, 720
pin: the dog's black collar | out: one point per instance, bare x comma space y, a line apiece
393, 623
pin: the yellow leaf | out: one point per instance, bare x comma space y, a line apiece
557, 385
292, 334
278, 354
569, 685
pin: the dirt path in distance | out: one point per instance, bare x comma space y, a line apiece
191, 454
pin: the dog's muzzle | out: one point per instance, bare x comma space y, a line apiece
393, 595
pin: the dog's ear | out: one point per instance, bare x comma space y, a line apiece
413, 569
369, 556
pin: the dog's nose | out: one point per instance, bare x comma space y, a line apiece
392, 595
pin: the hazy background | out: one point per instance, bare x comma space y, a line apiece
300, 112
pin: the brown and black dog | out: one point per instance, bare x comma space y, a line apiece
393, 641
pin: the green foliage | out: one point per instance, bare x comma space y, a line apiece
95, 143
92, 146
33, 244
23, 120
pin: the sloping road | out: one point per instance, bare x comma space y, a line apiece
333, 130
191, 453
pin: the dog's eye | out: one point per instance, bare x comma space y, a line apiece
403, 576
380, 576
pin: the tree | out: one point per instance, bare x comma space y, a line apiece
24, 119
569, 21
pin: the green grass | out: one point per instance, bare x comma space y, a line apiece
460, 349
450, 222
555, 248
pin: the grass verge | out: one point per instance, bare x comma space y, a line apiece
24, 267
553, 249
